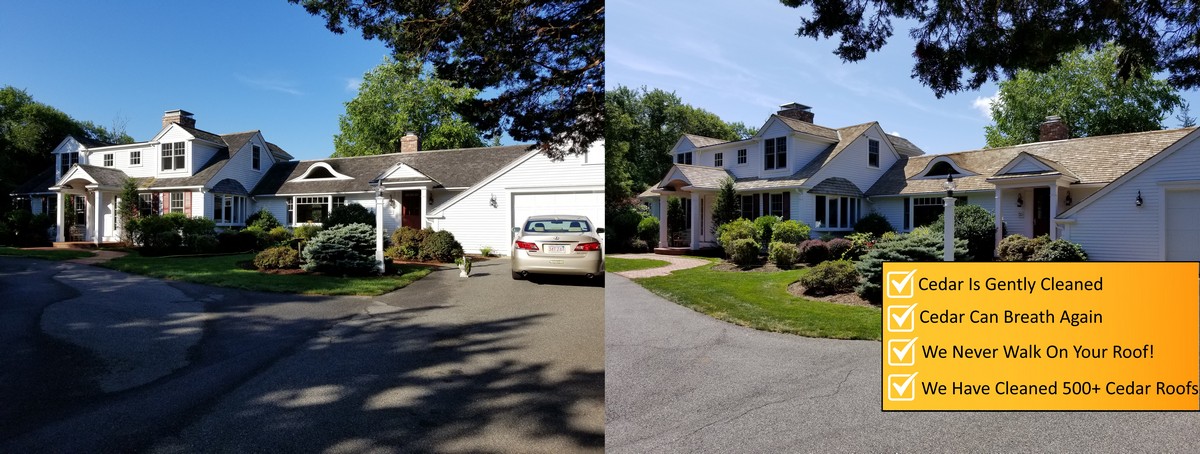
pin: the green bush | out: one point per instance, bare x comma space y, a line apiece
440, 246
975, 225
647, 230
873, 223
731, 232
813, 252
157, 235
622, 225
920, 247
236, 241
262, 239
345, 250
639, 245
485, 251
860, 243
790, 231
407, 242
263, 219
830, 278
1019, 248
305, 232
350, 213
783, 254
22, 228
279, 235
764, 226
277, 258
839, 248
1060, 250
744, 251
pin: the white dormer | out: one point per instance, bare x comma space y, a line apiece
321, 171
940, 167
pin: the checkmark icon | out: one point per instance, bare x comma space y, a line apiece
900, 284
898, 352
900, 319
899, 387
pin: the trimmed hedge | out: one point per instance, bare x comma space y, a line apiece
790, 231
813, 252
647, 232
350, 213
830, 278
873, 223
975, 225
764, 226
441, 246
346, 250
783, 254
839, 248
744, 251
277, 258
1060, 250
1019, 248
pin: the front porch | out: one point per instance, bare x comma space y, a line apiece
1029, 206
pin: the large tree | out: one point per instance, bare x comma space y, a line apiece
402, 96
1085, 91
962, 45
544, 59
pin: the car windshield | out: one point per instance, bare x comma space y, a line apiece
557, 226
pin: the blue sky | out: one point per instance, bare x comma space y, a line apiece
237, 65
741, 60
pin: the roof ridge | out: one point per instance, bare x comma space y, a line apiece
241, 132
414, 152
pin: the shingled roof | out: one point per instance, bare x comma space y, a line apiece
702, 141
457, 168
808, 128
39, 184
703, 177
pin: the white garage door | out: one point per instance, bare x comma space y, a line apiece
1182, 229
590, 204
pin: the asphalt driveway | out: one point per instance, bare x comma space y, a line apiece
679, 381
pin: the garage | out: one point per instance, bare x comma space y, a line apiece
1181, 229
584, 203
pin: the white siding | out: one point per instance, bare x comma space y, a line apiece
240, 165
199, 153
277, 206
1027, 165
851, 163
173, 134
891, 208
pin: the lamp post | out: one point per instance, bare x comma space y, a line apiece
948, 235
379, 227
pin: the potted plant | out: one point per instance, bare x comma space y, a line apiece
464, 266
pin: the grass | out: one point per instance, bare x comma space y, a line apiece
227, 271
58, 254
616, 265
760, 300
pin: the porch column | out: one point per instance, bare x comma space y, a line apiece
98, 215
424, 205
695, 230
1053, 211
60, 218
662, 221
999, 219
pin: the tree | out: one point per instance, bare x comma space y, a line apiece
962, 45
128, 210
727, 205
400, 97
1186, 120
1086, 93
543, 58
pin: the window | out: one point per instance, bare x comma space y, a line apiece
177, 202
173, 156
941, 168
67, 160
256, 158
837, 212
229, 209
148, 204
776, 206
775, 153
719, 160
337, 202
925, 210
873, 153
108, 160
749, 209
135, 158
684, 158
311, 209
741, 156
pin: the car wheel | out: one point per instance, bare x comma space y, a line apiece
517, 276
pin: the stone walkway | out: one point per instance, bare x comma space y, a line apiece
675, 263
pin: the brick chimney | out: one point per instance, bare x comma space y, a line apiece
409, 143
797, 111
1053, 129
182, 117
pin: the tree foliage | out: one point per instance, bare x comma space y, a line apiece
397, 97
727, 206
1084, 90
962, 45
543, 58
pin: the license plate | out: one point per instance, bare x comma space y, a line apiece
556, 248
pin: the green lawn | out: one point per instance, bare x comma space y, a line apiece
760, 300
225, 271
58, 254
616, 265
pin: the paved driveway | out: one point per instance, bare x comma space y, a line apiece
679, 381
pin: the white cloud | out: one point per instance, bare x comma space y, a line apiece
273, 84
352, 84
984, 104
896, 133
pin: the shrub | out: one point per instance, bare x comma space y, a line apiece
277, 258
407, 242
790, 232
735, 230
873, 223
236, 241
198, 234
279, 235
1019, 248
765, 226
647, 231
22, 228
485, 251
744, 251
783, 254
1060, 250
263, 219
860, 243
305, 232
622, 225
639, 245
440, 246
393, 252
813, 252
262, 239
839, 248
350, 213
830, 278
156, 234
346, 249
922, 247
975, 225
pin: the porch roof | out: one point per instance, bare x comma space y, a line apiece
837, 186
102, 176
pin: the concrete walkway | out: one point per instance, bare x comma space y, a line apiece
675, 263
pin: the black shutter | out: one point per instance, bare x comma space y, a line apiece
820, 214
907, 221
787, 205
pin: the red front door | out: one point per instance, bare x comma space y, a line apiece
410, 209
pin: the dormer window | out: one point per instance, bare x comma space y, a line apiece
108, 160
256, 158
66, 160
173, 156
684, 158
741, 156
873, 153
318, 173
941, 168
775, 153
719, 160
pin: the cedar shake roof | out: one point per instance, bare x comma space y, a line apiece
91, 143
703, 177
104, 176
280, 155
701, 141
458, 168
808, 128
837, 186
1099, 159
202, 134
904, 147
230, 186
39, 184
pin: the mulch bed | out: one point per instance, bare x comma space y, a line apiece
849, 299
726, 265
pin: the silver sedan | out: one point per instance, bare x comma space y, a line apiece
557, 244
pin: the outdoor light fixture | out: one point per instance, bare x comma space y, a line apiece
493, 201
1139, 199
949, 185
1020, 202
1068, 200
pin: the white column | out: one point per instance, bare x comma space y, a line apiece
424, 206
379, 231
1053, 211
948, 234
663, 202
695, 230
999, 218
96, 209
61, 218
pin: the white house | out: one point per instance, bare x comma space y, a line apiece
226, 177
1123, 197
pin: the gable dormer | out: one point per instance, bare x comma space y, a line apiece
68, 153
180, 148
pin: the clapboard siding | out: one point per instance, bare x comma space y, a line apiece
240, 165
